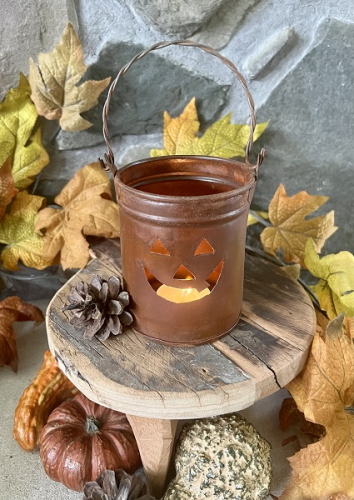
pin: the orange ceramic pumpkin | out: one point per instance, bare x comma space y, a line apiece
82, 439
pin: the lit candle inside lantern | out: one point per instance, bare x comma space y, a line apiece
181, 295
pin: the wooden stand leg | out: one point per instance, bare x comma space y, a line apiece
155, 439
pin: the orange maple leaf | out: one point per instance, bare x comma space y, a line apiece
14, 309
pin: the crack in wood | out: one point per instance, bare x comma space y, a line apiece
263, 362
69, 368
253, 319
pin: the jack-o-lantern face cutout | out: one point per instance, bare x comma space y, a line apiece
188, 287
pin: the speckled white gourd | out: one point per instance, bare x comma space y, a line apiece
221, 458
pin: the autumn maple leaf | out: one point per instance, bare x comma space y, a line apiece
223, 139
256, 216
335, 289
290, 229
54, 83
322, 391
19, 138
14, 309
7, 187
18, 234
87, 209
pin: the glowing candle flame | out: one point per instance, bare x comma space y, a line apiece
181, 295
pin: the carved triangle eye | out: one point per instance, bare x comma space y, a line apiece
159, 247
204, 247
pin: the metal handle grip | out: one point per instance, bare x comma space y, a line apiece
187, 43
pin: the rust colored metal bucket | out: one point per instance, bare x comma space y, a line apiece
183, 229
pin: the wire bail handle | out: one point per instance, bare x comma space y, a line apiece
108, 162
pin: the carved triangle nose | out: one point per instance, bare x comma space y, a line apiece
183, 273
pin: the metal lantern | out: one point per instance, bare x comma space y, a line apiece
183, 228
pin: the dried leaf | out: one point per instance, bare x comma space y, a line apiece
29, 161
87, 209
322, 391
291, 229
222, 139
321, 319
7, 187
348, 324
54, 83
293, 270
14, 309
289, 414
335, 290
18, 137
324, 468
18, 233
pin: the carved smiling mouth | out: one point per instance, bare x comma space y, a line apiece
189, 293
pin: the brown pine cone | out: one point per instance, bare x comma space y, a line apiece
118, 485
98, 307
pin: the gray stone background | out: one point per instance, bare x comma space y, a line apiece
296, 55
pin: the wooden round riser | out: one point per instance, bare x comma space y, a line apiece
159, 384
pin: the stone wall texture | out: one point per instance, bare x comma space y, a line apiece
297, 57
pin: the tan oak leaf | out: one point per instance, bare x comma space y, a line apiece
54, 83
291, 228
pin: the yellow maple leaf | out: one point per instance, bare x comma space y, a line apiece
322, 391
18, 136
54, 83
223, 139
17, 233
253, 220
335, 290
292, 270
7, 187
87, 209
29, 161
290, 229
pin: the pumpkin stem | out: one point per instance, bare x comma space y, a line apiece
92, 425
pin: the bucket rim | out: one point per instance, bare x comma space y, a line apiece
187, 199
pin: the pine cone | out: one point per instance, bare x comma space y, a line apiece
118, 486
98, 307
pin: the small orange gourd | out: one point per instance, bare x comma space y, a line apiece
49, 388
82, 439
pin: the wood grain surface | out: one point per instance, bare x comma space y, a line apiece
139, 377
